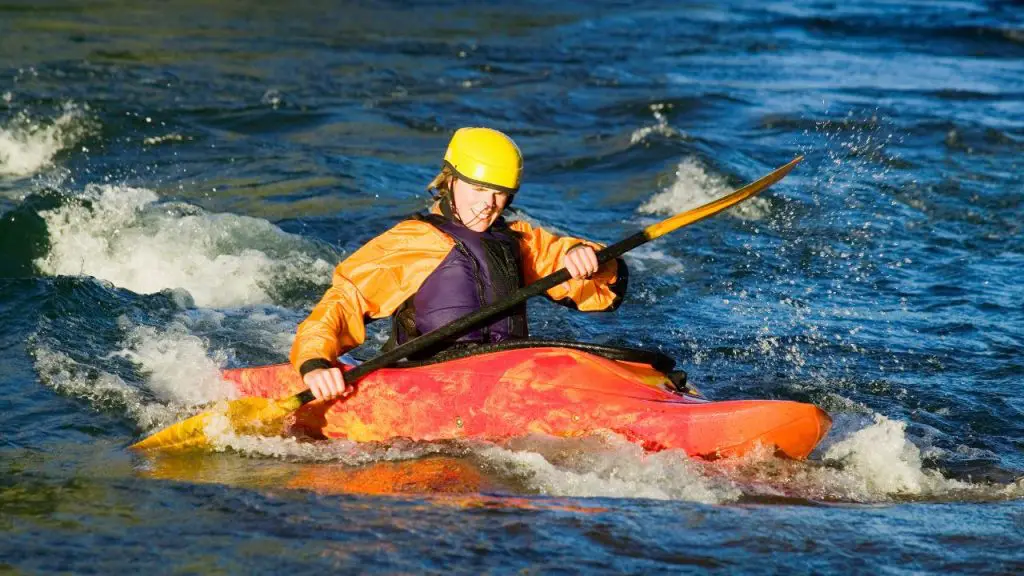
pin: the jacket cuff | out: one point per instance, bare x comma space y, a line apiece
596, 247
314, 364
621, 284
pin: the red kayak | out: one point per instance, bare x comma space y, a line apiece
546, 390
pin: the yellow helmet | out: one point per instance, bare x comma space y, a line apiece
486, 157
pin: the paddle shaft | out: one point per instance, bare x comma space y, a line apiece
472, 320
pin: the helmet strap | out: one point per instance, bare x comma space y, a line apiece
447, 206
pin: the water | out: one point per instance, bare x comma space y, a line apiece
177, 182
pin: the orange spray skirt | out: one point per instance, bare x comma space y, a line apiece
554, 391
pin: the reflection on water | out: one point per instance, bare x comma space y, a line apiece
430, 475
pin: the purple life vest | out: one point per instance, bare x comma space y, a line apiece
481, 268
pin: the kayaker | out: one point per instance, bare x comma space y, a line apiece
435, 268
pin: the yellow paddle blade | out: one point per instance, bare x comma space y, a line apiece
701, 212
252, 416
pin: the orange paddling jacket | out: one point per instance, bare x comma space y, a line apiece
386, 273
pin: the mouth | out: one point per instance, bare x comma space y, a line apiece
484, 215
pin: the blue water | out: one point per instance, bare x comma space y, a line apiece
178, 180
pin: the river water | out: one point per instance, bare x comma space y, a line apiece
178, 180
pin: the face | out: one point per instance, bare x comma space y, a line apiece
478, 206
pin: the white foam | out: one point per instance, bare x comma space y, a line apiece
101, 390
181, 372
604, 466
650, 257
156, 140
595, 466
694, 186
274, 331
223, 437
123, 235
180, 367
28, 145
524, 216
660, 127
879, 462
875, 464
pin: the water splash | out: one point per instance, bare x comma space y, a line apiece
876, 463
102, 390
157, 140
27, 144
604, 465
126, 236
179, 366
661, 126
694, 186
878, 460
224, 438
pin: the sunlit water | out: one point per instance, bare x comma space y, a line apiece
178, 181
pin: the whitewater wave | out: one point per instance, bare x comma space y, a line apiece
875, 463
128, 237
694, 186
102, 390
605, 465
181, 368
177, 365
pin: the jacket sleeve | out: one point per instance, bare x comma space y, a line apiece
371, 283
542, 255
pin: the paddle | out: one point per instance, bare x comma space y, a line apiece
262, 415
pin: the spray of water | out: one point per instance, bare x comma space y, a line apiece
29, 144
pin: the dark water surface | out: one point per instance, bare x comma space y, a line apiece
178, 180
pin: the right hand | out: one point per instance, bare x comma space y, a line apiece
327, 384
581, 262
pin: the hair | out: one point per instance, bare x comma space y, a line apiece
441, 185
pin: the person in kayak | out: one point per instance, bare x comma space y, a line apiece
434, 268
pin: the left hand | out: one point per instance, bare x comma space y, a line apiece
581, 262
